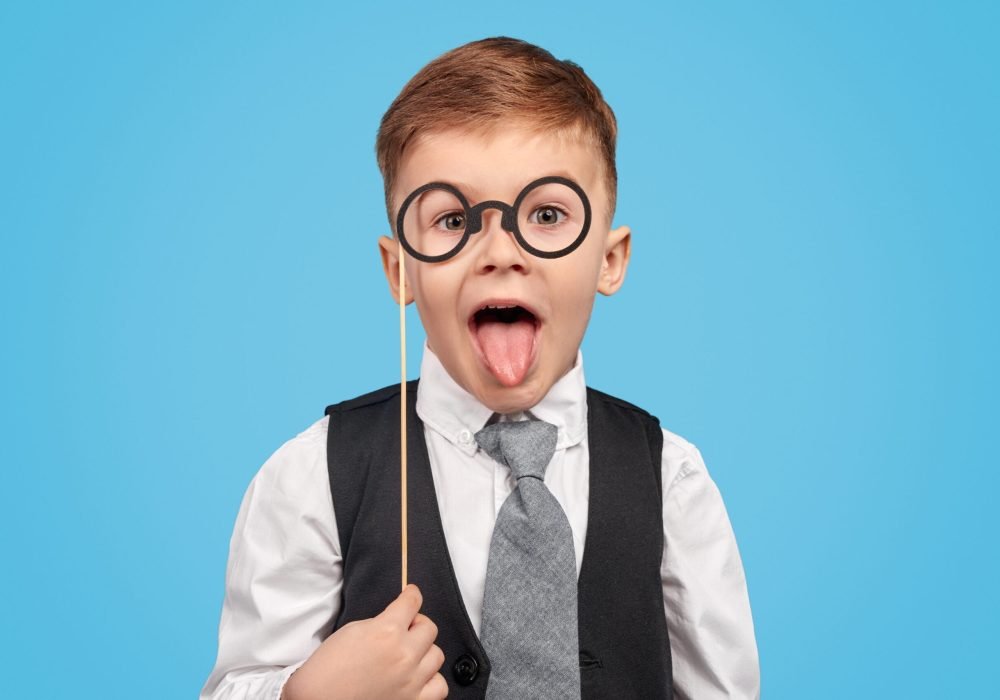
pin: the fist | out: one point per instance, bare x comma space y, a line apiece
390, 656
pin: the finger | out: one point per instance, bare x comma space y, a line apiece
402, 610
422, 632
436, 689
431, 662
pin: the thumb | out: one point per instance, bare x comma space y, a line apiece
406, 606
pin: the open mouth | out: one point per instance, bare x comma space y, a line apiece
505, 335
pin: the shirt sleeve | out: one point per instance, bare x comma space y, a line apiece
704, 588
284, 574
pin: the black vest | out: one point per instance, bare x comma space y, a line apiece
624, 648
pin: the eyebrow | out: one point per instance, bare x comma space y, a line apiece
472, 193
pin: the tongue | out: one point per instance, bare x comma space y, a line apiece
507, 347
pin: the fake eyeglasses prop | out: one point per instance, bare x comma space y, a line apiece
549, 218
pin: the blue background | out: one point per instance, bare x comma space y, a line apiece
189, 212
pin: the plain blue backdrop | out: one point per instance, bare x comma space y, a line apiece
189, 211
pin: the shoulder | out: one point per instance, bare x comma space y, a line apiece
306, 441
681, 459
375, 398
675, 448
298, 464
597, 396
286, 504
620, 414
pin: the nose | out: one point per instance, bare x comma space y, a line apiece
498, 249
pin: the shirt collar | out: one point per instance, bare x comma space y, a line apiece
457, 415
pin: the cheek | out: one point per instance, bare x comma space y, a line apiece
435, 293
578, 282
575, 298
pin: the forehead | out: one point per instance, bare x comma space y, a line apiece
496, 164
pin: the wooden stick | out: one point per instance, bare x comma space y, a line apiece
402, 411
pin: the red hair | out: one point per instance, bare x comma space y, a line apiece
480, 85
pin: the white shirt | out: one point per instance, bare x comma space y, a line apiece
285, 570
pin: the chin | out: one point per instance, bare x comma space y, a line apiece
512, 399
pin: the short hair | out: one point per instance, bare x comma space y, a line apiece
480, 85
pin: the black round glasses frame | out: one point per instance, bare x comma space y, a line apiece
508, 218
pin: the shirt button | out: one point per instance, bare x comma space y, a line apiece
465, 437
465, 669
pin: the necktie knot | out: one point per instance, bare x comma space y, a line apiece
524, 446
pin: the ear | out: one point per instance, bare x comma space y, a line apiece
617, 250
389, 249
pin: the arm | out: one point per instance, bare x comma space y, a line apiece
283, 588
284, 574
704, 587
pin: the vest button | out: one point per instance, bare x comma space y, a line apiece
465, 669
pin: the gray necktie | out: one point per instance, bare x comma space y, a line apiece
529, 626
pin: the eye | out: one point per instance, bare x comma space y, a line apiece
547, 215
452, 221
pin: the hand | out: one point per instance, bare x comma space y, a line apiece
392, 655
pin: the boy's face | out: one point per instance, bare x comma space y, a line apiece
507, 359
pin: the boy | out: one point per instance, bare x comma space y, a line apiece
562, 544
